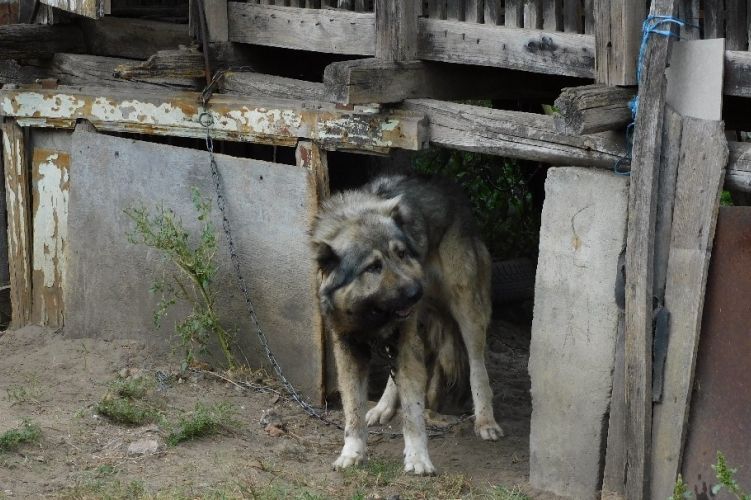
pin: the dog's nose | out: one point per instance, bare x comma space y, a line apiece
413, 292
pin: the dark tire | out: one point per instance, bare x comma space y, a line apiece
513, 280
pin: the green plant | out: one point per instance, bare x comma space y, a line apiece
726, 477
497, 189
205, 420
504, 493
123, 403
680, 490
164, 231
28, 432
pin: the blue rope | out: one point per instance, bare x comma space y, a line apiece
651, 25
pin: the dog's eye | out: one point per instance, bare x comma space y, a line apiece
401, 253
374, 268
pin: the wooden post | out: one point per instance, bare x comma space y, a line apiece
639, 256
216, 20
18, 202
618, 36
396, 29
593, 108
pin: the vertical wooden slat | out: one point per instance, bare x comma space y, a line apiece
493, 11
455, 9
617, 39
514, 14
639, 257
589, 17
572, 18
475, 11
18, 203
552, 15
360, 5
689, 11
736, 34
437, 9
396, 29
714, 18
216, 20
49, 234
533, 14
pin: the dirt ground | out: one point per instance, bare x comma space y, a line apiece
57, 382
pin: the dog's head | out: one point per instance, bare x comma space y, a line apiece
369, 267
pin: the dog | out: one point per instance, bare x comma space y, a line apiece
403, 270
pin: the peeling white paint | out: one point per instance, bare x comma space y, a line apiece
50, 220
140, 112
48, 106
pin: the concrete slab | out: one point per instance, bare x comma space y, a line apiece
106, 289
574, 328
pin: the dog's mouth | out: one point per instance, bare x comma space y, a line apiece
404, 313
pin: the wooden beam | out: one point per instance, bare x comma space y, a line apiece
738, 175
319, 30
618, 34
34, 41
181, 67
267, 121
131, 38
522, 49
396, 29
14, 73
18, 205
703, 156
737, 73
593, 108
259, 85
512, 134
639, 257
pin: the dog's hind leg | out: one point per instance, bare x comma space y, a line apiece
352, 371
468, 283
384, 411
411, 378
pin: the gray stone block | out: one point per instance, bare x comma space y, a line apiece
574, 328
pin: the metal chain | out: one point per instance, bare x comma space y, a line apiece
207, 121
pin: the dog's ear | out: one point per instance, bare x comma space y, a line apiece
325, 256
393, 207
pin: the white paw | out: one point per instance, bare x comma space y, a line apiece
418, 464
488, 430
380, 414
348, 460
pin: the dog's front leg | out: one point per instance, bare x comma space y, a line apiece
411, 378
352, 371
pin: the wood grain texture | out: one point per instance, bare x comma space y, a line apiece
714, 19
617, 26
217, 22
513, 134
180, 67
593, 108
260, 85
132, 38
552, 15
737, 80
474, 11
523, 49
493, 12
33, 41
455, 10
84, 69
322, 30
639, 257
704, 153
513, 13
396, 29
572, 16
533, 14
18, 205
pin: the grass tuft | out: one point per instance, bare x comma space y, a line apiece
205, 420
12, 439
123, 402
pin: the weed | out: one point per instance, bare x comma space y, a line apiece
100, 489
30, 392
164, 231
504, 493
123, 402
203, 421
680, 490
726, 477
28, 432
132, 388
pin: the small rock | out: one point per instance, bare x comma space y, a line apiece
275, 399
143, 447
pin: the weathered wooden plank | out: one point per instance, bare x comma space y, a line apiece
455, 10
572, 16
396, 29
217, 22
704, 154
714, 19
33, 41
738, 175
639, 257
736, 29
49, 174
512, 134
523, 49
437, 9
618, 36
18, 205
690, 11
493, 12
131, 38
513, 14
13, 72
552, 15
259, 85
475, 11
589, 17
737, 80
533, 14
183, 67
323, 30
89, 8
268, 121
593, 108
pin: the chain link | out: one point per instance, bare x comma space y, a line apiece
206, 120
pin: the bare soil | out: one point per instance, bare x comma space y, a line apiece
57, 382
